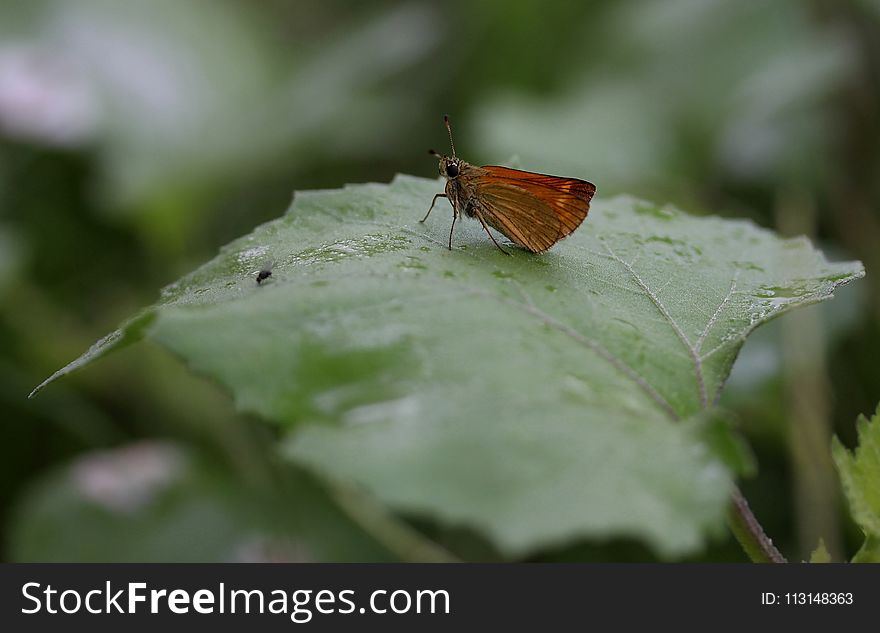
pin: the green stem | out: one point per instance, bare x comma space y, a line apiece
405, 542
745, 527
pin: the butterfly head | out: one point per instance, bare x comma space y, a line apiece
450, 166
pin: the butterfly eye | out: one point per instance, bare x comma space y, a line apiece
452, 170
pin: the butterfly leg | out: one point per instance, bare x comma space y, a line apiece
492, 237
439, 195
451, 228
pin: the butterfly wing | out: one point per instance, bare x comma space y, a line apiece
518, 214
533, 210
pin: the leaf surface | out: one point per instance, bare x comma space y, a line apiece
536, 399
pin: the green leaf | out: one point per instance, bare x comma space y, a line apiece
536, 399
860, 476
152, 501
820, 554
715, 428
869, 552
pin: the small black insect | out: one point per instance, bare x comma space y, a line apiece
265, 272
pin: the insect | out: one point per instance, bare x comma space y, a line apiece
265, 272
532, 210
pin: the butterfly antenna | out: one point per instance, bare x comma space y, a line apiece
449, 129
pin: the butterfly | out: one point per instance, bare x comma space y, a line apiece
532, 210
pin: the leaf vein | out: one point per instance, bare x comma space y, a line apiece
530, 308
692, 352
711, 323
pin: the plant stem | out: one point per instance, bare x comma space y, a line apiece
397, 536
808, 395
748, 531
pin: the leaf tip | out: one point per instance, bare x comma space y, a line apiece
821, 553
39, 387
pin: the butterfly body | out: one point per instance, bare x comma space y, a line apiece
534, 211
459, 189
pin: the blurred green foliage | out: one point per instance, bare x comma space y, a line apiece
135, 138
859, 473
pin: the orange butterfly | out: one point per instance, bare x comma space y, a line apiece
532, 210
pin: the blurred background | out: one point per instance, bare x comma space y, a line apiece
136, 138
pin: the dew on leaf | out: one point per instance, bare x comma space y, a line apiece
342, 249
248, 255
